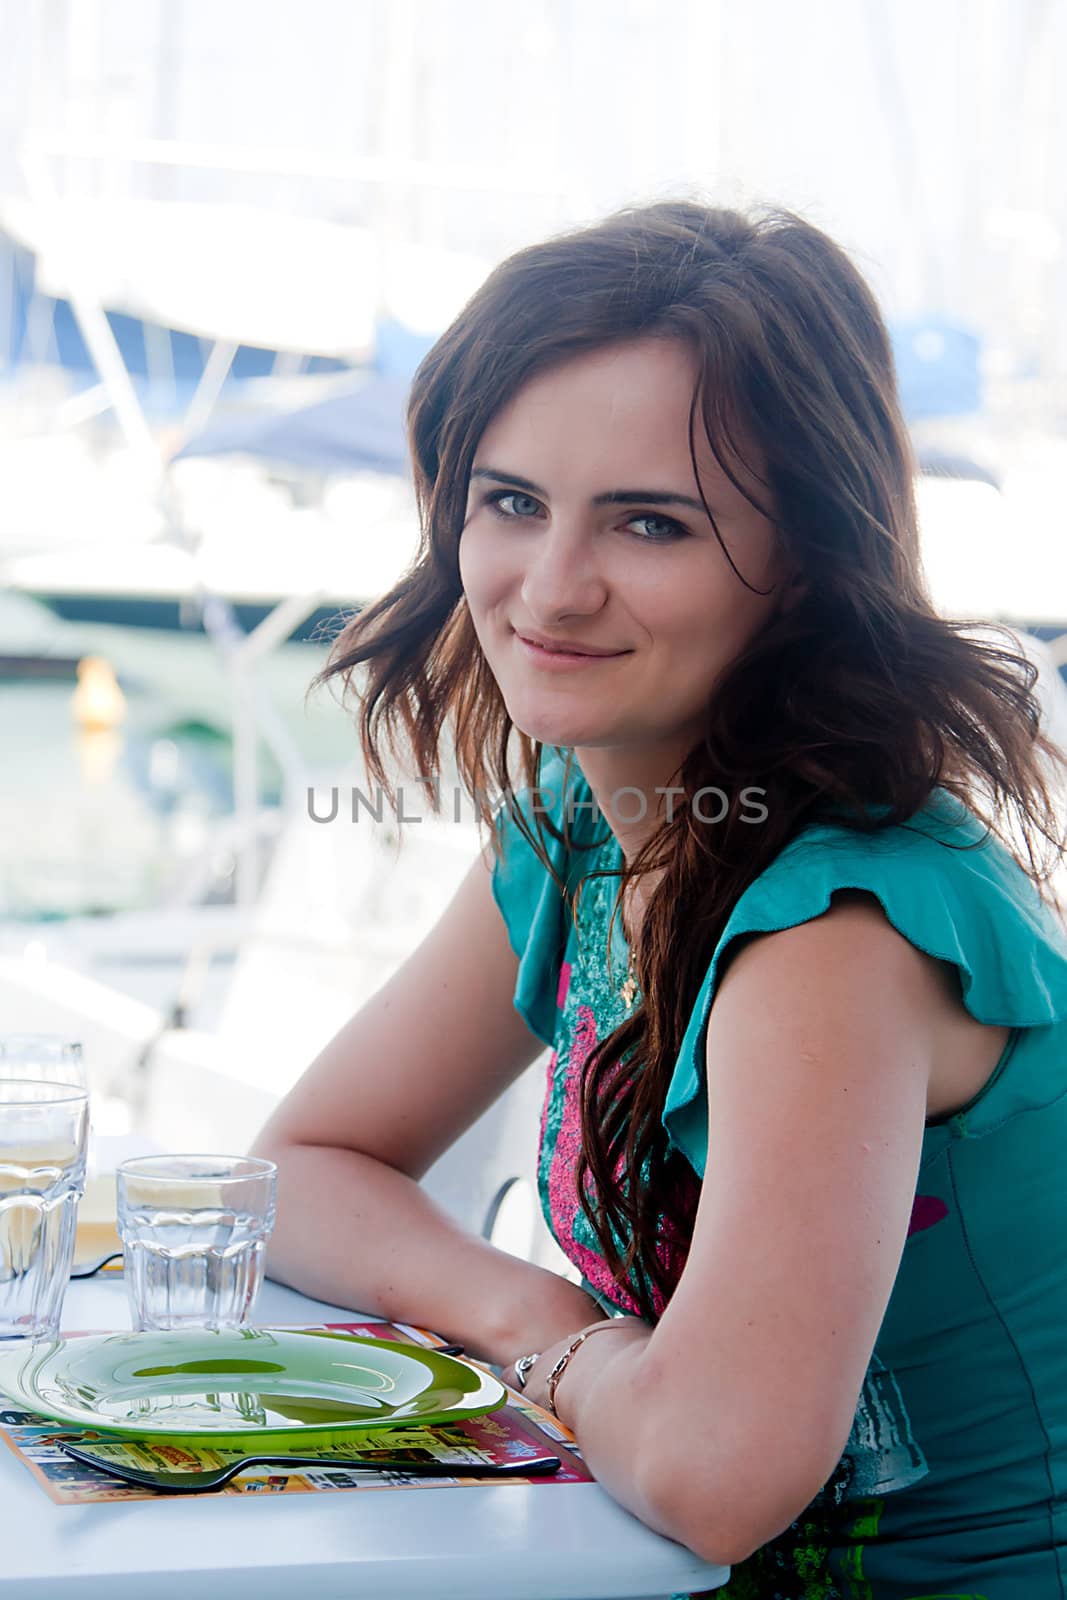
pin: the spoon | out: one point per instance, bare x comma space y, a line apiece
199, 1482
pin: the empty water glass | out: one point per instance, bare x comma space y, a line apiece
48, 1057
44, 1130
194, 1229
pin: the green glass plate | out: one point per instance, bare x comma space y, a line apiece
243, 1386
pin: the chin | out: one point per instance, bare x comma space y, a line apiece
550, 733
559, 729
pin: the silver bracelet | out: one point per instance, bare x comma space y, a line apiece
522, 1367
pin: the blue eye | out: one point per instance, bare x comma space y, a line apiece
525, 505
494, 501
674, 529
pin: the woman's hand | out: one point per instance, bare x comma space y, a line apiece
620, 1334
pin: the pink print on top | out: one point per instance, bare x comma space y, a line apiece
562, 1190
926, 1210
553, 1063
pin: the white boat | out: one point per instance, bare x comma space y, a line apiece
242, 541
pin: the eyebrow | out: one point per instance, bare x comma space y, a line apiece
613, 497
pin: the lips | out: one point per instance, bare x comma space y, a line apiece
560, 647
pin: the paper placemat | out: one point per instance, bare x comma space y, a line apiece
519, 1429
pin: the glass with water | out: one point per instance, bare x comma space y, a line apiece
194, 1230
44, 1130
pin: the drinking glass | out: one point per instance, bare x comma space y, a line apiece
194, 1229
44, 1130
48, 1057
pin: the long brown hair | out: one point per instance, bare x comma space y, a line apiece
858, 697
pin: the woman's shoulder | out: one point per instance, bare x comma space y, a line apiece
948, 884
943, 882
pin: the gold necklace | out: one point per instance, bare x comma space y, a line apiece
628, 987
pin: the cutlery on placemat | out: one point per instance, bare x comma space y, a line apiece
199, 1482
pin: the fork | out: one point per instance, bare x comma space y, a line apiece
200, 1482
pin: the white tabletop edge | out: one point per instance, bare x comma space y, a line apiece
500, 1542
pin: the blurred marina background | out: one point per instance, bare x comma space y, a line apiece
228, 233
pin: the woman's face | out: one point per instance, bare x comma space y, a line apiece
584, 527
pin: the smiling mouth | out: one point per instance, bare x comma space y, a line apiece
574, 655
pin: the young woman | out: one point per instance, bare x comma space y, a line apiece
772, 890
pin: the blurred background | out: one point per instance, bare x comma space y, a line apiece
228, 233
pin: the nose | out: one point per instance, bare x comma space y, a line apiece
563, 576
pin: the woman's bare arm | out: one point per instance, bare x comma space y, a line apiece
415, 1067
721, 1425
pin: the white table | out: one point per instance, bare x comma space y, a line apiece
520, 1542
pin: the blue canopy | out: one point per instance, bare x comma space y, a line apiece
362, 428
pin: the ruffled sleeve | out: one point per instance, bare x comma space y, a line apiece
953, 892
530, 901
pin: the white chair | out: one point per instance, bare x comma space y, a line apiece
48, 996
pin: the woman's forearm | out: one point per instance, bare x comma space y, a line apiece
601, 1396
604, 1410
354, 1231
609, 1402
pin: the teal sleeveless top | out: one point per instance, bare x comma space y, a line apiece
953, 1485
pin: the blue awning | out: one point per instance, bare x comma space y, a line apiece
362, 429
